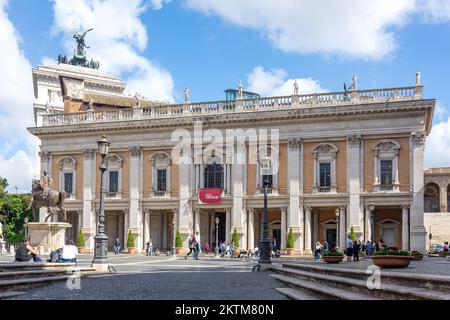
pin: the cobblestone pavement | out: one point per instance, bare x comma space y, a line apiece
140, 277
428, 265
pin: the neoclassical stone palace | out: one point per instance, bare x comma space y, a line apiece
343, 159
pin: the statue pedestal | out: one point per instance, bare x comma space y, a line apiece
48, 235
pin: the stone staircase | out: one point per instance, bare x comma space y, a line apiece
14, 277
309, 282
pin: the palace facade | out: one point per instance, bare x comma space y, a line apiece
333, 161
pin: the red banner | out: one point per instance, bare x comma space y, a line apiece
210, 195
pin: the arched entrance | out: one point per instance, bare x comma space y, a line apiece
431, 198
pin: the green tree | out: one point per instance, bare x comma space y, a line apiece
290, 239
235, 238
14, 211
352, 233
80, 240
178, 242
3, 185
130, 240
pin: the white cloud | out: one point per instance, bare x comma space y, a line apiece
273, 83
118, 37
346, 27
435, 11
440, 112
16, 99
437, 146
158, 4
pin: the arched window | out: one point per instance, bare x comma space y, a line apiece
213, 174
267, 168
67, 167
431, 198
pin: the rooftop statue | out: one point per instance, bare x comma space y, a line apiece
79, 55
418, 78
81, 44
295, 87
186, 95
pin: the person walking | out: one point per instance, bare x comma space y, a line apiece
325, 246
223, 249
117, 245
196, 250
349, 249
191, 246
355, 250
317, 251
207, 248
232, 250
446, 246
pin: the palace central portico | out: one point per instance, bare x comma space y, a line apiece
342, 153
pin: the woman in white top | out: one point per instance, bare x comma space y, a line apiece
69, 252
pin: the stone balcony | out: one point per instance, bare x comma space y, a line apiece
234, 106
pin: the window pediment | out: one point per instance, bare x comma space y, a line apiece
386, 145
67, 163
114, 161
325, 149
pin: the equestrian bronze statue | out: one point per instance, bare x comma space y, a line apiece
44, 196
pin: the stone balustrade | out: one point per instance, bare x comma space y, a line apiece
240, 105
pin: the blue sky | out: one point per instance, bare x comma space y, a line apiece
161, 46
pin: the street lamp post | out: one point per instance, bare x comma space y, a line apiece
101, 239
216, 249
372, 225
264, 243
337, 229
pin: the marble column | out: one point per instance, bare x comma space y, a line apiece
295, 185
251, 230
126, 224
405, 227
197, 224
283, 227
316, 227
89, 176
185, 208
417, 227
212, 226
368, 231
146, 226
342, 228
355, 216
227, 225
308, 243
135, 222
443, 198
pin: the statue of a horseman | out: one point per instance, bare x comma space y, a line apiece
43, 196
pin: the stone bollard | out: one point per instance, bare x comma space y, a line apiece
41, 250
11, 249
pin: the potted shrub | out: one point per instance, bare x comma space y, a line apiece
416, 255
290, 243
80, 242
178, 243
388, 258
235, 240
130, 243
332, 256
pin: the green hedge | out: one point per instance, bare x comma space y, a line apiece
178, 241
80, 240
130, 241
235, 238
290, 239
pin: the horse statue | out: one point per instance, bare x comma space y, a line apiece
53, 202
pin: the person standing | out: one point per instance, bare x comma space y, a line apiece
274, 245
149, 248
317, 251
349, 249
207, 248
117, 246
446, 246
196, 250
325, 246
355, 251
232, 250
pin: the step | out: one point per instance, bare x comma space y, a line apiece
10, 294
387, 291
33, 265
28, 273
295, 294
30, 282
426, 281
329, 292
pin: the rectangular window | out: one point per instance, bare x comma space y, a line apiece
161, 180
113, 181
68, 182
386, 174
325, 175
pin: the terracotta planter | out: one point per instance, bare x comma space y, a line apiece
131, 250
179, 250
82, 250
392, 261
290, 251
236, 251
417, 258
443, 254
332, 259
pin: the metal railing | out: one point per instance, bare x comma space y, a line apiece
229, 106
